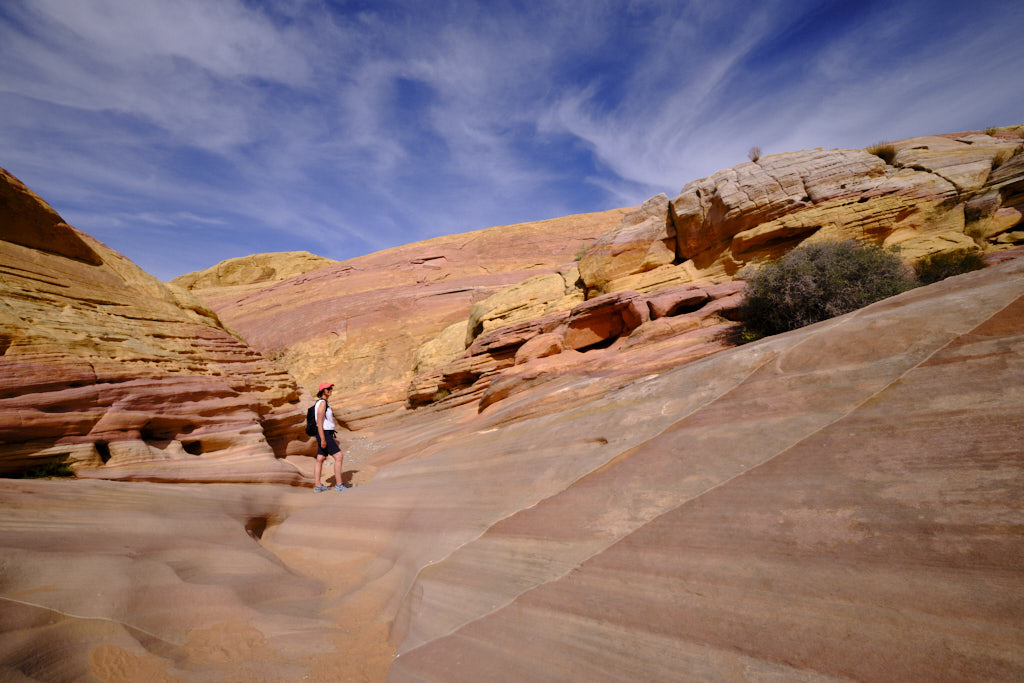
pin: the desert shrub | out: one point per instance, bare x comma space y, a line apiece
1004, 155
885, 151
754, 153
991, 130
1001, 157
581, 252
746, 335
820, 281
935, 267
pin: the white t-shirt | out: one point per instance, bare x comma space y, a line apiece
328, 415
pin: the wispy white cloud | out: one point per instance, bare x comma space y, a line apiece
296, 124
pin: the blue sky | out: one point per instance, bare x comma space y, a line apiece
184, 132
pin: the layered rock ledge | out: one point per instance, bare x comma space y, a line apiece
117, 375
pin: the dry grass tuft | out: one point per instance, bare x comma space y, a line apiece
884, 150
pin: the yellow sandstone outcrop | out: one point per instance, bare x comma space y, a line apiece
253, 270
117, 375
757, 211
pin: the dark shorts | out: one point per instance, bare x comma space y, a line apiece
332, 446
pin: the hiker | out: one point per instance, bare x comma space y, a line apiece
326, 443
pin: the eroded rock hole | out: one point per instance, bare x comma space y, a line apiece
256, 526
603, 344
192, 447
103, 448
686, 307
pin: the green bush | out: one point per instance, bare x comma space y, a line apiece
820, 281
937, 267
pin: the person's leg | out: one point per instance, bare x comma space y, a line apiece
317, 472
335, 451
338, 457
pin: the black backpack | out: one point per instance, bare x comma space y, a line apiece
311, 419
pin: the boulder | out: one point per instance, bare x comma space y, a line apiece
442, 349
670, 275
604, 319
256, 269
913, 247
690, 298
965, 161
1001, 220
710, 211
528, 299
511, 337
541, 346
645, 240
469, 371
677, 300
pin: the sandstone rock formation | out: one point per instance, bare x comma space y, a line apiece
257, 270
759, 210
387, 326
838, 502
120, 376
591, 489
941, 193
362, 323
622, 323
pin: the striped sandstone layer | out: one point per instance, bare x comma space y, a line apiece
360, 323
119, 376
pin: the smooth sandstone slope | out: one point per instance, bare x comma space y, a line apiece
120, 376
117, 582
839, 501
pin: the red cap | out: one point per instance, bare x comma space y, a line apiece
324, 385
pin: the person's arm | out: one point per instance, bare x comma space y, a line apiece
321, 413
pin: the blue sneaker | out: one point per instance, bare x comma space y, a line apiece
340, 487
319, 488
